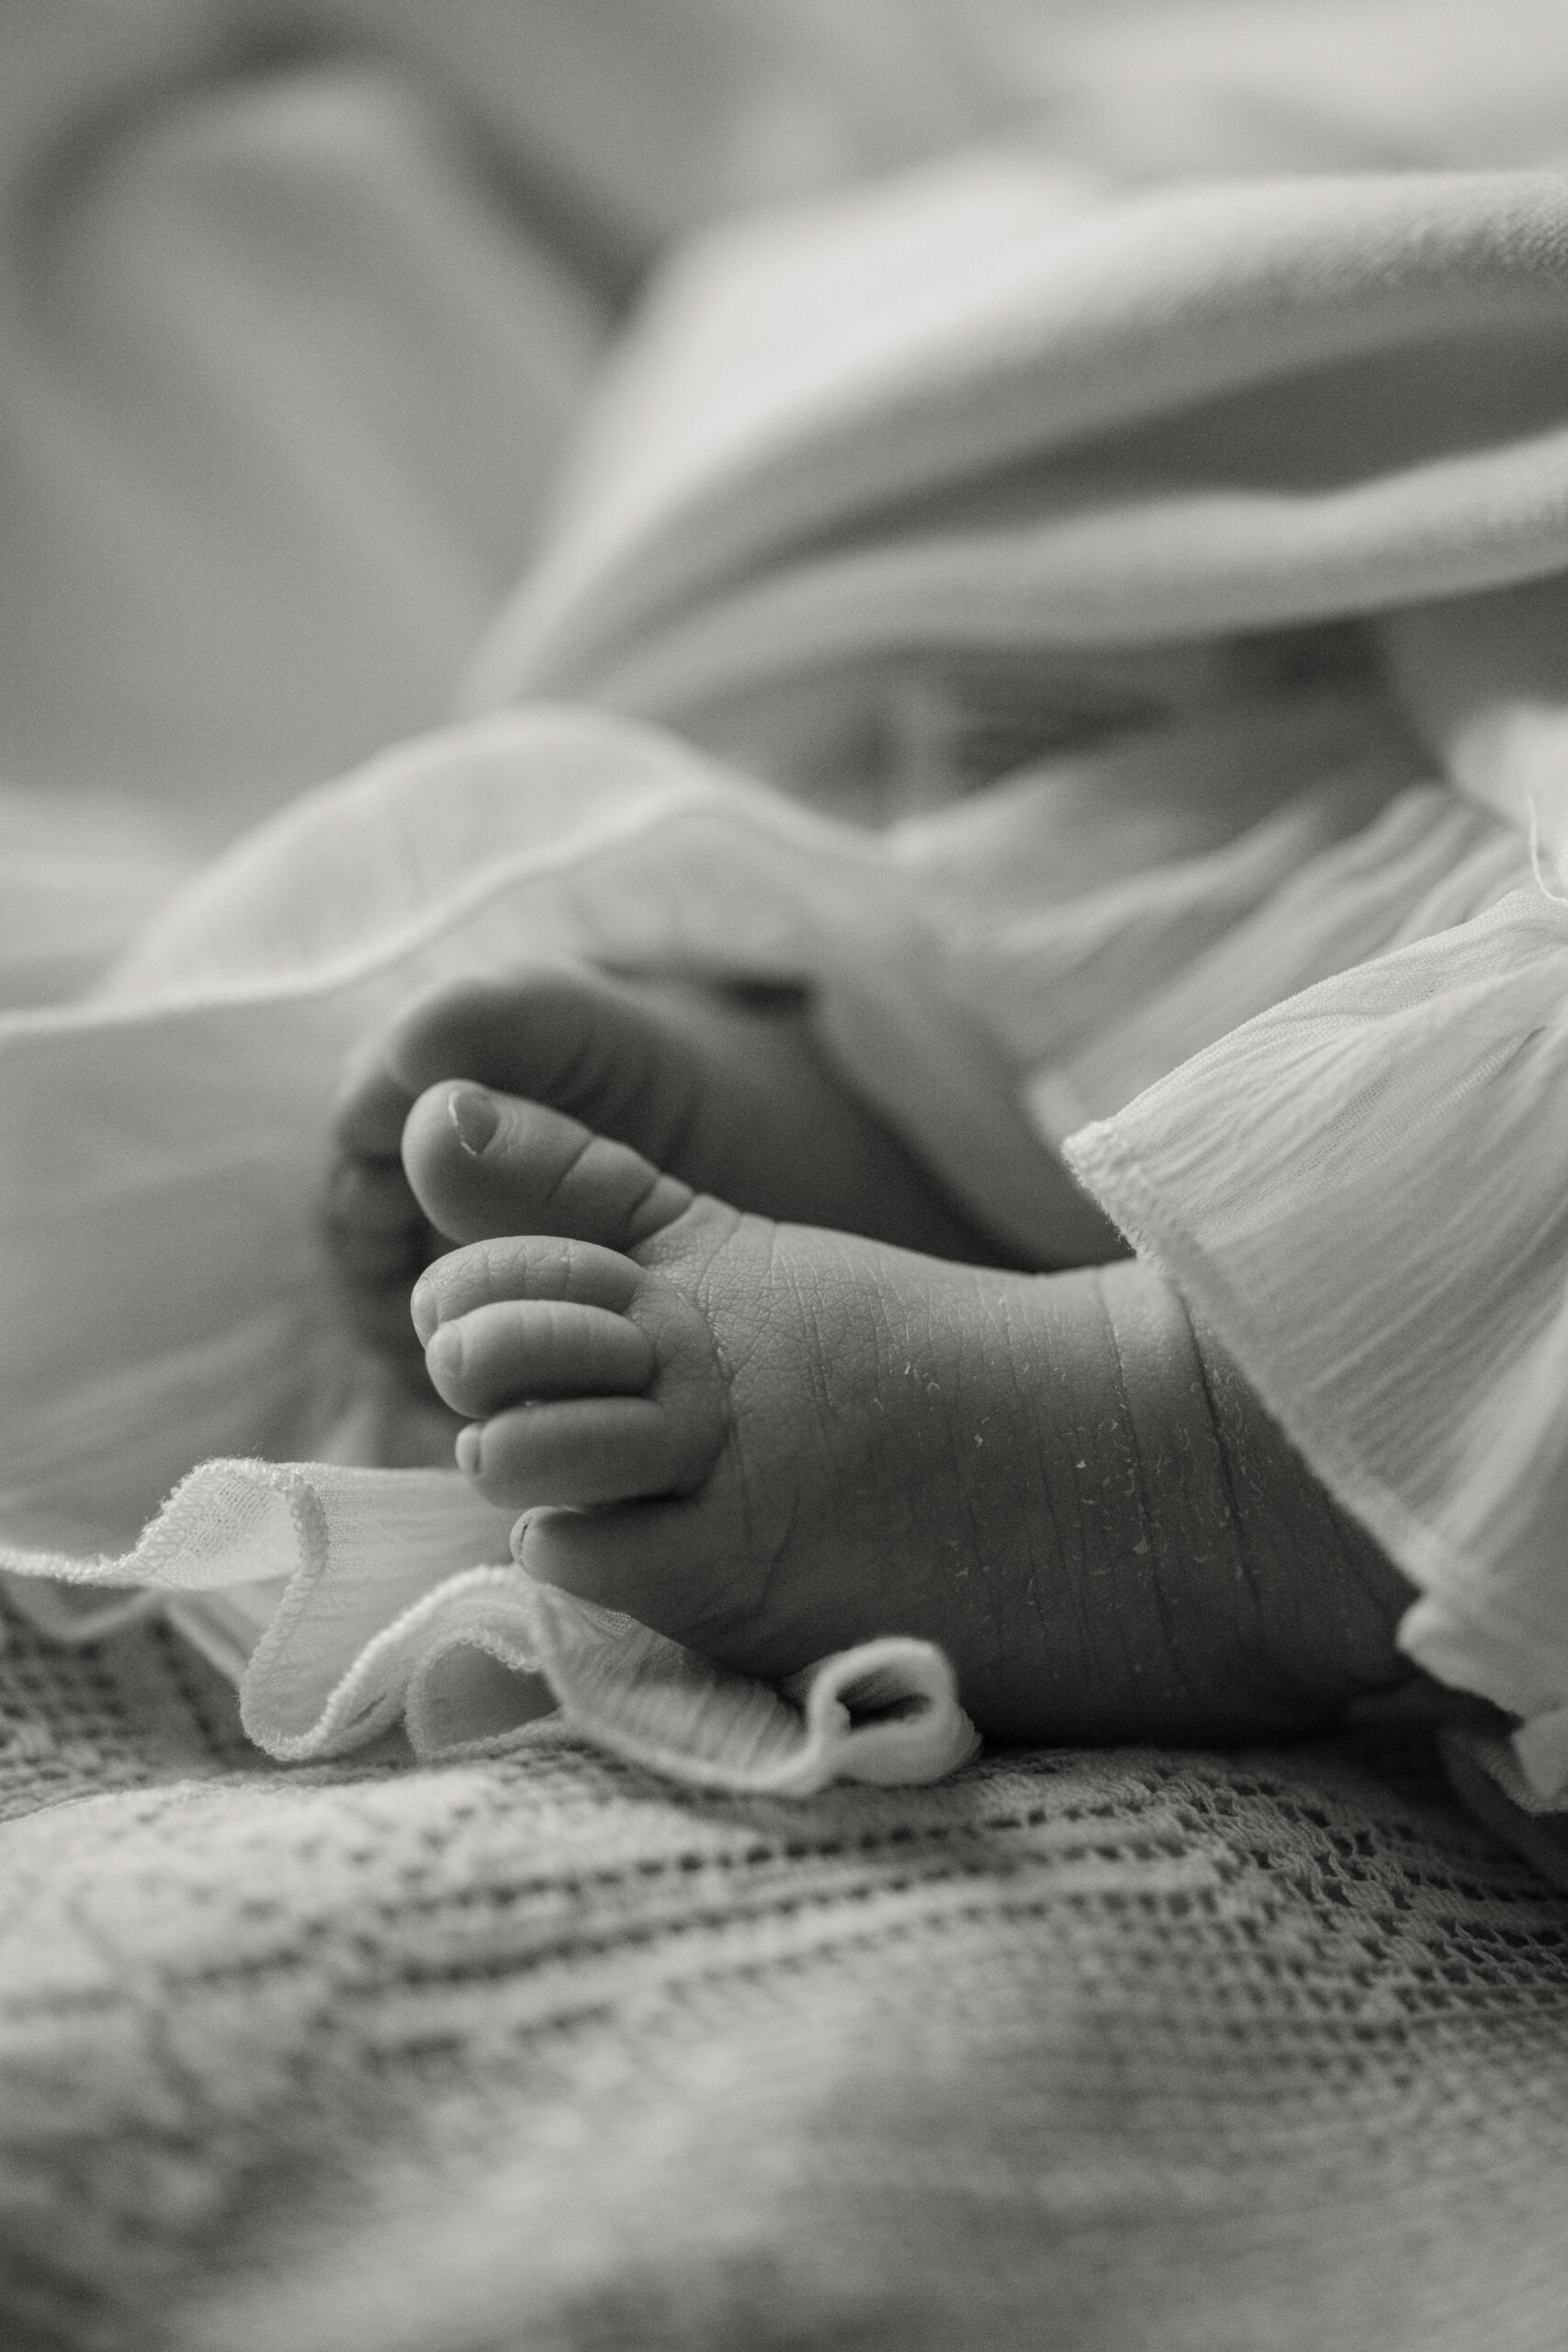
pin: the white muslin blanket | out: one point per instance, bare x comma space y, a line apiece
170, 1302
1109, 644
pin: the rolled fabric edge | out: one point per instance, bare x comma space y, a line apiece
470, 1664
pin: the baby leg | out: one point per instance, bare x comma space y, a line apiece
771, 1441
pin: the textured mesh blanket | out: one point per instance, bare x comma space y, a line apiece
1123, 2051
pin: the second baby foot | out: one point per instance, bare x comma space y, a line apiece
724, 1088
772, 1441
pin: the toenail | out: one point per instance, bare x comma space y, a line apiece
425, 1309
468, 1448
476, 1118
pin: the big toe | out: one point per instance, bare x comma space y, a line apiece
481, 1163
575, 1040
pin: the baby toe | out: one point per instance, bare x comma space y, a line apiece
498, 1031
585, 1454
522, 1351
523, 1265
372, 1195
378, 1315
372, 1104
483, 1163
655, 1560
377, 1230
555, 1033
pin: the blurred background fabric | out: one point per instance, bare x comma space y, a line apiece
300, 305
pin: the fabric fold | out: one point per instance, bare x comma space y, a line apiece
990, 406
345, 1601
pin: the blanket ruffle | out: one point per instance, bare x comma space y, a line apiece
278, 1571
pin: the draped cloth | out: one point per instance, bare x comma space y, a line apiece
1105, 644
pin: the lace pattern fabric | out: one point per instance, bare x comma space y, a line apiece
1152, 2048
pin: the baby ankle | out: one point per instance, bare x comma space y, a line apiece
1247, 1602
1336, 1597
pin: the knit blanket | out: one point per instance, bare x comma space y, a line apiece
1134, 2052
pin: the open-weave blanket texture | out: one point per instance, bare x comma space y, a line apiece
1139, 2053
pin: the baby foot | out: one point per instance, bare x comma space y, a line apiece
724, 1088
771, 1441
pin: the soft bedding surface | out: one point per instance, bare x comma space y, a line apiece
1121, 2052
